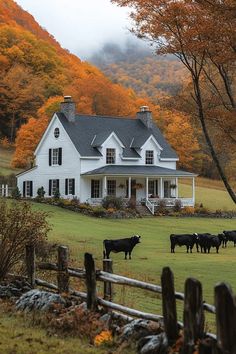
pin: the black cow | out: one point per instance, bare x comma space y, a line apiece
125, 245
187, 240
202, 241
224, 239
230, 236
214, 241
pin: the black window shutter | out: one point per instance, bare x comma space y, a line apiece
50, 187
31, 188
60, 156
73, 186
66, 186
58, 185
24, 188
50, 158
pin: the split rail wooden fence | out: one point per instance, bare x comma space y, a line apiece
194, 307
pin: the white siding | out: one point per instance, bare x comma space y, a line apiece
70, 167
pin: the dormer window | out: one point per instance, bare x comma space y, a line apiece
149, 157
56, 132
111, 156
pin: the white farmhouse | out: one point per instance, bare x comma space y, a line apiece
90, 157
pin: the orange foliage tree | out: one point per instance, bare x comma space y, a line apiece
181, 136
30, 133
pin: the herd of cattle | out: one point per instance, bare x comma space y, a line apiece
203, 242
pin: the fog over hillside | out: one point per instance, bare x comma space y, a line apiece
135, 65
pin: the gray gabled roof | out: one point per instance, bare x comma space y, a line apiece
144, 170
89, 132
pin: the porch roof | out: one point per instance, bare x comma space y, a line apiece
142, 170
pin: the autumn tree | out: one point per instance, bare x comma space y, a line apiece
202, 35
30, 133
21, 93
180, 134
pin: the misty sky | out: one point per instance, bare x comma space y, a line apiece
82, 26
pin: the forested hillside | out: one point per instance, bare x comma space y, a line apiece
137, 67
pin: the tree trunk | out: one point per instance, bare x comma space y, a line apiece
208, 139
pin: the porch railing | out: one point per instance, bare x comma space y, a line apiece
151, 206
153, 203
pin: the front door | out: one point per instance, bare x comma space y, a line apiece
166, 189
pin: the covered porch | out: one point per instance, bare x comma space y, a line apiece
145, 184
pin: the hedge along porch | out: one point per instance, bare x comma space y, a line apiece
148, 184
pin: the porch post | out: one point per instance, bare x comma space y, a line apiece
177, 188
146, 188
104, 192
193, 197
129, 189
161, 190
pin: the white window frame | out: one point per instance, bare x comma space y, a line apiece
96, 189
110, 156
70, 185
56, 133
55, 157
111, 187
149, 157
27, 188
54, 186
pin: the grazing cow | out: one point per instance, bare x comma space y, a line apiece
187, 240
214, 241
125, 245
202, 241
230, 236
224, 239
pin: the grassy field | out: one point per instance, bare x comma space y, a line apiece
212, 198
5, 161
17, 336
85, 234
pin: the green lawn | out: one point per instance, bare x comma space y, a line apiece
18, 337
5, 161
211, 198
85, 234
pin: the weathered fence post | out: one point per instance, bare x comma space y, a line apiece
169, 305
225, 318
90, 276
63, 276
108, 288
30, 263
193, 315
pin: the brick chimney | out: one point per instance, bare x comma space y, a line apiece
145, 115
68, 108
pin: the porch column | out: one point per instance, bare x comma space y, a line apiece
104, 190
177, 188
146, 187
193, 190
129, 189
161, 189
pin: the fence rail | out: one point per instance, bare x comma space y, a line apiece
193, 311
